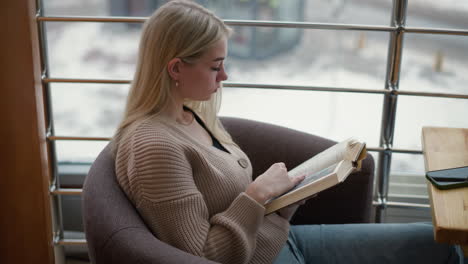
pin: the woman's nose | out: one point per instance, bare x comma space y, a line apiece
222, 76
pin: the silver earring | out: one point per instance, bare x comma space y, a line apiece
177, 84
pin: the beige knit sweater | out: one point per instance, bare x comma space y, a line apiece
192, 195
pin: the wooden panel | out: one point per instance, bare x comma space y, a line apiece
447, 148
25, 205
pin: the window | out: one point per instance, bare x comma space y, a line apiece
330, 68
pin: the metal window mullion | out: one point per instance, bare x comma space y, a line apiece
56, 204
395, 49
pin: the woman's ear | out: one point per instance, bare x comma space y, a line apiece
173, 68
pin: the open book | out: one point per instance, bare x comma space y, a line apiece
322, 171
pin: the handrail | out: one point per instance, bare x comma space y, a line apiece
401, 205
230, 22
69, 241
78, 80
374, 149
277, 86
436, 31
265, 23
65, 191
56, 138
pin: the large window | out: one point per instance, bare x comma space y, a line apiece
330, 68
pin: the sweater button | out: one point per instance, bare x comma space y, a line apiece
243, 163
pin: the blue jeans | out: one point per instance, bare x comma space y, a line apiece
366, 243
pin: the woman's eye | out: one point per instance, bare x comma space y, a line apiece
216, 69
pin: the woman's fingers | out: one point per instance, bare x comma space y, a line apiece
298, 179
282, 165
277, 181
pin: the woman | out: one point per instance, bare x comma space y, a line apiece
190, 182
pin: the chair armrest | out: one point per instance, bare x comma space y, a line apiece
114, 230
138, 245
265, 144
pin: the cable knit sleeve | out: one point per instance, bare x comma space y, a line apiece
165, 194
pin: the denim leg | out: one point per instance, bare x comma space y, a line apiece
463, 259
371, 243
289, 254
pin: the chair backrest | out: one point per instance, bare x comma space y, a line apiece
265, 144
117, 234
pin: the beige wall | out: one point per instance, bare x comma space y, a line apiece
25, 229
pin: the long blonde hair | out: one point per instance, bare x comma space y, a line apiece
178, 29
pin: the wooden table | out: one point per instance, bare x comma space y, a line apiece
445, 148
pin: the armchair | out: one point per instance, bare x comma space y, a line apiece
116, 234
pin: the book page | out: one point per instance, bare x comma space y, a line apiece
312, 178
315, 176
312, 184
322, 160
355, 150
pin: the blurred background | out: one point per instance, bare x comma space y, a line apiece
273, 56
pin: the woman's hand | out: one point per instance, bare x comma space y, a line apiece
288, 211
271, 183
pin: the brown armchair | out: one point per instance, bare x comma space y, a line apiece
116, 234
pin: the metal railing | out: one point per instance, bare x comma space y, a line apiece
278, 24
277, 87
391, 93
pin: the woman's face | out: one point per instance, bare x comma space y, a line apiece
199, 80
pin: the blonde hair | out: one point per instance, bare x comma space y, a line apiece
178, 29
